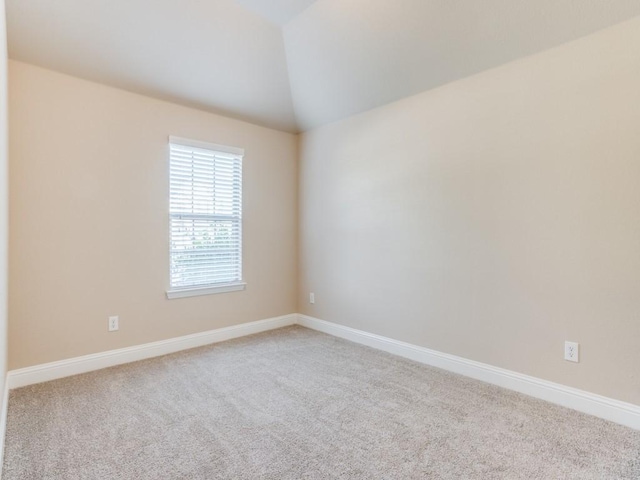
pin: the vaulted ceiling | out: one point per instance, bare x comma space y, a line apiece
293, 64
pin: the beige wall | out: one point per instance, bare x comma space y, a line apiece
4, 202
89, 224
493, 218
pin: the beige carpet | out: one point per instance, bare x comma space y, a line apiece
297, 404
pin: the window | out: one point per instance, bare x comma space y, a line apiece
205, 210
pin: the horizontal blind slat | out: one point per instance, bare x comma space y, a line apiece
194, 279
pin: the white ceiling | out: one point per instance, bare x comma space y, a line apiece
348, 56
212, 54
279, 12
330, 59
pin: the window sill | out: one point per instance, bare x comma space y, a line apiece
209, 290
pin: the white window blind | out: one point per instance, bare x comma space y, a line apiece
205, 215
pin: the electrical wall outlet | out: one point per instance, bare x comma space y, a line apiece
572, 351
312, 297
114, 323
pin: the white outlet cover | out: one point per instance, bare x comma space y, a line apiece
572, 351
114, 323
312, 297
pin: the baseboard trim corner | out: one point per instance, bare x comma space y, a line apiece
597, 405
73, 366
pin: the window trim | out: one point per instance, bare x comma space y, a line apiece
206, 145
193, 291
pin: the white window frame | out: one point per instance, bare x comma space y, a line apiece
210, 288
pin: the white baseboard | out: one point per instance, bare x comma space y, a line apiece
87, 363
614, 410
